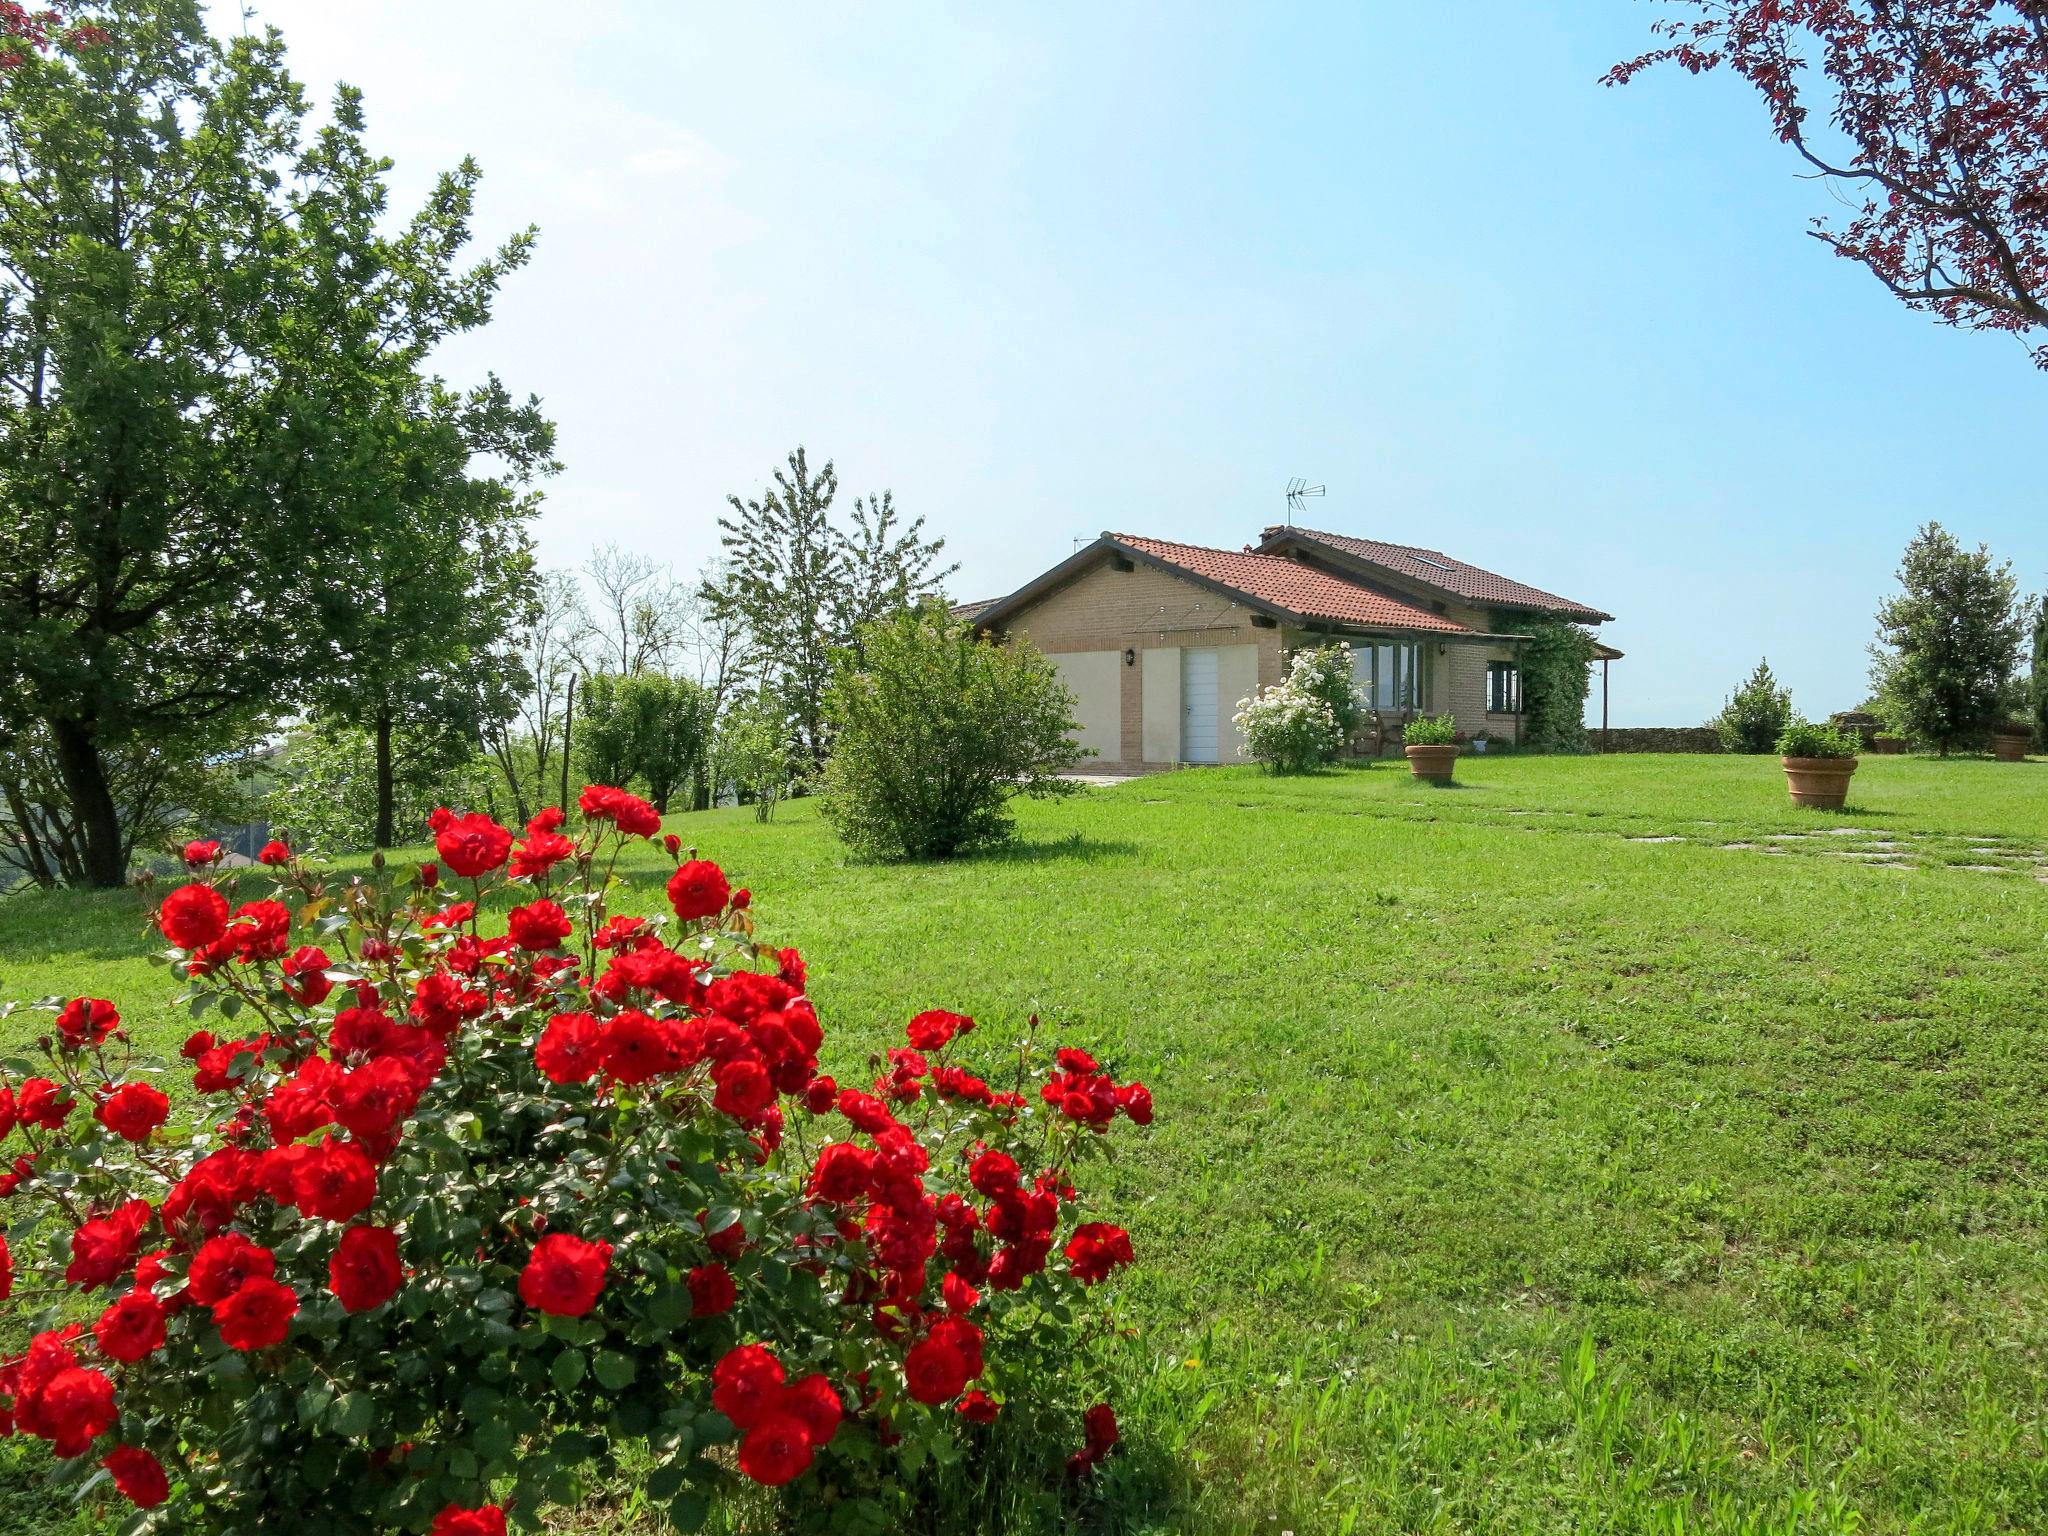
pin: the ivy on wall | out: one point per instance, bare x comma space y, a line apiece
1556, 676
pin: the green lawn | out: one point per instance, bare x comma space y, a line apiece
1510, 1175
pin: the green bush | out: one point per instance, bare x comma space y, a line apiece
1431, 731
1804, 738
934, 731
1556, 667
1755, 713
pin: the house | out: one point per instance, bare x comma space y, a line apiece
1158, 640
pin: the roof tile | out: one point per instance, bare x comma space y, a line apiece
1297, 588
1440, 571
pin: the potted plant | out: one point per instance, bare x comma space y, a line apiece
1885, 744
1432, 744
2009, 741
1819, 761
1479, 742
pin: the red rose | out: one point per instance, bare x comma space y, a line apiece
371, 1100
1135, 1100
813, 1403
335, 1181
930, 1030
274, 853
260, 930
256, 1316
994, 1174
570, 1049
935, 1371
564, 1274
698, 889
746, 1384
73, 1407
87, 1021
977, 1407
744, 1089
305, 976
193, 916
200, 852
131, 1328
634, 816
470, 845
712, 1292
139, 1476
42, 1103
959, 1295
133, 1110
1098, 1424
819, 1095
673, 844
224, 1264
103, 1248
775, 1450
539, 925
636, 1047
364, 1271
842, 1173
486, 1520
1096, 1248
1069, 1059
430, 875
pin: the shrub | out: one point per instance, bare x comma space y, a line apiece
1754, 714
467, 1213
1556, 667
934, 730
752, 753
1804, 738
1303, 721
1430, 731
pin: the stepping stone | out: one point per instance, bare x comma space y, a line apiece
1656, 839
1984, 869
1749, 846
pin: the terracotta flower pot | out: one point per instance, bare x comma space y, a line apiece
1435, 763
1887, 746
2010, 746
1819, 782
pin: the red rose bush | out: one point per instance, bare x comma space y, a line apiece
468, 1214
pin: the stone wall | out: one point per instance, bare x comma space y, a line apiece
1654, 738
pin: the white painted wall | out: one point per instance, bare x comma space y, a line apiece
1095, 679
1159, 703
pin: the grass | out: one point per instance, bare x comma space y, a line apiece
1511, 1175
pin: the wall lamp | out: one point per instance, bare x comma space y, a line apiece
1130, 657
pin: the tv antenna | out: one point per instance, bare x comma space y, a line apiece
1298, 491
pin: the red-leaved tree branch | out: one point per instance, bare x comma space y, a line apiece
1940, 117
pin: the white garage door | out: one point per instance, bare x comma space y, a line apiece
1200, 718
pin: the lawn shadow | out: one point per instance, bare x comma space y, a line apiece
1076, 846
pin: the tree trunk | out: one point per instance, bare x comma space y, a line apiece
568, 725
387, 810
99, 821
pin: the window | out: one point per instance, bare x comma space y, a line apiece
1388, 676
1503, 688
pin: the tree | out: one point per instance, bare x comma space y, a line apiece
1940, 112
203, 308
1755, 713
2037, 677
439, 577
752, 753
936, 730
1947, 643
648, 727
640, 613
331, 789
803, 586
540, 657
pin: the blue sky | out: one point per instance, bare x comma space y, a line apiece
1047, 270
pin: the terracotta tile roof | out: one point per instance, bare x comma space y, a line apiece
1440, 571
1296, 588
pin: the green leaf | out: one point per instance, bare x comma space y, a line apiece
612, 1370
567, 1369
688, 1511
351, 1415
313, 1402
